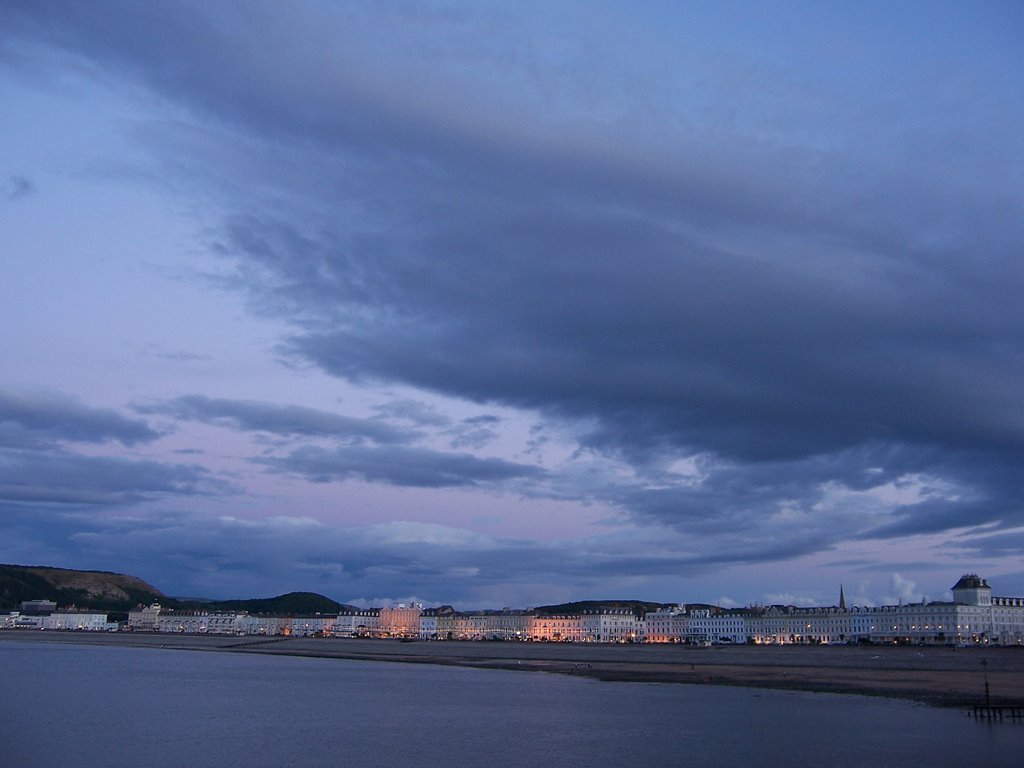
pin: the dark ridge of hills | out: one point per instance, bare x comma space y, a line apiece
118, 592
639, 607
101, 590
107, 591
290, 603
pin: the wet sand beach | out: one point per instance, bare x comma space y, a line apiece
938, 676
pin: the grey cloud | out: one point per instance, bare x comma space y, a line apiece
473, 438
18, 187
771, 511
691, 347
413, 411
484, 420
945, 515
60, 478
642, 318
224, 557
37, 418
989, 544
220, 556
474, 432
817, 310
178, 356
401, 466
288, 420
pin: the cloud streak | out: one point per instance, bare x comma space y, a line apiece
68, 479
285, 420
401, 466
48, 417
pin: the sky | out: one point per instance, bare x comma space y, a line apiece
500, 304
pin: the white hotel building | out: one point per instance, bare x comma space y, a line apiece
357, 624
973, 617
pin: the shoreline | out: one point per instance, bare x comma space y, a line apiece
943, 677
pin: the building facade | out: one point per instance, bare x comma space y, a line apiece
400, 620
974, 617
357, 624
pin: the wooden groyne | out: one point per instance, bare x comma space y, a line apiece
998, 711
253, 643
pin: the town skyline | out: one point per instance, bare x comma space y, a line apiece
490, 305
62, 579
974, 617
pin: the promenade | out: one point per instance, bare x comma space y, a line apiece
939, 676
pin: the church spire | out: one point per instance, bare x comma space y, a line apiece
842, 599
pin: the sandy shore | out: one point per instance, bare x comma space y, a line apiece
938, 676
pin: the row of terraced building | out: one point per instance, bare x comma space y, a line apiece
974, 616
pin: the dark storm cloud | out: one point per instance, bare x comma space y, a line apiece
286, 420
33, 419
402, 466
665, 343
60, 478
836, 305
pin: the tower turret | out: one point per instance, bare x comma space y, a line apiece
972, 590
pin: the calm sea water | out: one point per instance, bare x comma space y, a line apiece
81, 706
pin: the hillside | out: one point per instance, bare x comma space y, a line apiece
306, 603
102, 590
85, 589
